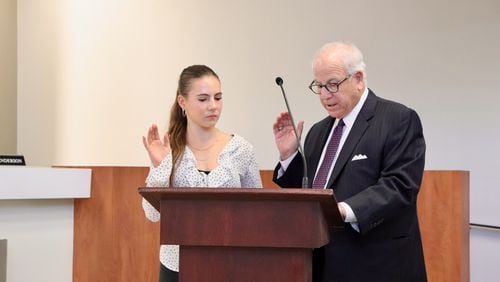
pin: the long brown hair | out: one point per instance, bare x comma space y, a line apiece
177, 127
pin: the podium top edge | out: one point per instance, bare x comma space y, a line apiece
236, 193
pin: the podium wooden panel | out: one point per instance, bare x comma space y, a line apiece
237, 234
115, 242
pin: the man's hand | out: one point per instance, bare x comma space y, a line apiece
284, 135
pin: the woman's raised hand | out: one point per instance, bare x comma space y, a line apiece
157, 149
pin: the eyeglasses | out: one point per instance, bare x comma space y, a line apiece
332, 87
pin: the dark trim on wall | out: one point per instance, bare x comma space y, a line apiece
485, 227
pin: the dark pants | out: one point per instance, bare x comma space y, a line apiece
167, 275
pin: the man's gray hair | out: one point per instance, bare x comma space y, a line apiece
346, 52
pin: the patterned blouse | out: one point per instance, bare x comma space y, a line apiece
237, 168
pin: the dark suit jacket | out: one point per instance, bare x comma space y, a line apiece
381, 190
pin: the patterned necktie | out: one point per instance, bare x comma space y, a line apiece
331, 150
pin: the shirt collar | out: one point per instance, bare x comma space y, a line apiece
351, 117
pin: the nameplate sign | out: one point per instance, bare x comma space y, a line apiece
12, 160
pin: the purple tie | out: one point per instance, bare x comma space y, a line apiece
331, 150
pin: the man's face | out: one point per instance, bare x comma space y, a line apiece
349, 91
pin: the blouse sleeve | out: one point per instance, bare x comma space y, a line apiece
157, 177
251, 178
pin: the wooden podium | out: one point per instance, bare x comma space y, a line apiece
244, 234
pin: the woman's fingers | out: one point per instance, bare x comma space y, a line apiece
154, 132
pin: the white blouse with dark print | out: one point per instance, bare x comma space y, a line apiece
237, 168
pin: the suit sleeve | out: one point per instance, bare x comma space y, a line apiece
402, 165
292, 178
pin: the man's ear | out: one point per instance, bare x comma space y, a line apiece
359, 76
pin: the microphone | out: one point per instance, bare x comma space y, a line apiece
305, 181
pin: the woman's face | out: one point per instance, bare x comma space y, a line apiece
203, 102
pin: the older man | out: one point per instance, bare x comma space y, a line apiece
371, 152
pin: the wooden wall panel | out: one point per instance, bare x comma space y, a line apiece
93, 232
267, 179
443, 209
115, 242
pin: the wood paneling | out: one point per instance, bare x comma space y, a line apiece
115, 242
443, 210
113, 239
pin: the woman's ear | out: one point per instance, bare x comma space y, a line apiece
181, 101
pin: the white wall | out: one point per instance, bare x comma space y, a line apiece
40, 239
8, 83
94, 74
484, 255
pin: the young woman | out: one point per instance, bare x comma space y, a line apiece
195, 153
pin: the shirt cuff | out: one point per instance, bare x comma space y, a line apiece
350, 217
285, 164
349, 214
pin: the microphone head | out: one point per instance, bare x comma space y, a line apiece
279, 81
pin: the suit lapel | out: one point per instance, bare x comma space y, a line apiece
357, 131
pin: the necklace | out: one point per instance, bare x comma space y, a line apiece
204, 148
202, 160
202, 157
203, 154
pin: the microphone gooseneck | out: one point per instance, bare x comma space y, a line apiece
305, 181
